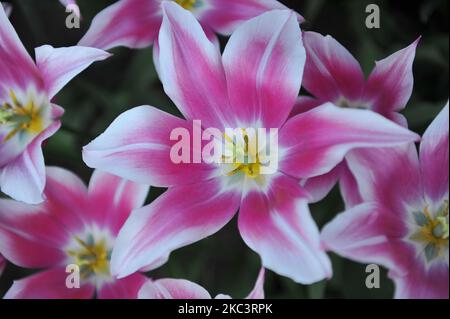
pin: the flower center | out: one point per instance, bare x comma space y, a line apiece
433, 231
346, 104
187, 4
19, 117
91, 256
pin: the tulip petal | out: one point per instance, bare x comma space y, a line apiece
129, 23
279, 227
349, 187
319, 187
258, 290
434, 157
173, 289
369, 233
24, 178
304, 104
225, 16
421, 283
397, 183
331, 72
18, 69
390, 84
137, 147
179, 217
126, 288
313, 143
112, 199
59, 66
264, 62
50, 284
191, 68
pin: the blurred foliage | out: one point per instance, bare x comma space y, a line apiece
223, 263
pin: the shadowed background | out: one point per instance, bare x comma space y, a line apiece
223, 263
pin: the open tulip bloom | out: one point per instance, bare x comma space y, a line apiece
333, 75
136, 23
27, 114
253, 85
403, 221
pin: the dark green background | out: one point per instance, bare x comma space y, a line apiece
223, 263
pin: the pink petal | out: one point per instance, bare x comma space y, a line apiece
264, 62
319, 187
18, 69
396, 183
390, 84
59, 66
434, 158
23, 179
126, 288
279, 227
173, 289
349, 187
191, 69
50, 284
421, 283
314, 142
129, 23
225, 16
112, 199
2, 264
29, 236
331, 72
137, 147
179, 217
304, 104
369, 233
258, 291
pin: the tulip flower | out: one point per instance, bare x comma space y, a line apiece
2, 264
136, 23
76, 226
184, 289
333, 75
253, 85
402, 223
27, 114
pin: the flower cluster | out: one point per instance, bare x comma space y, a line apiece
348, 130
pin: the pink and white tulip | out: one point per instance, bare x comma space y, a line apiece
254, 84
403, 222
27, 115
75, 226
136, 23
333, 75
184, 289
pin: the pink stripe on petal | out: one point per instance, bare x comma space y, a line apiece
191, 68
59, 66
24, 178
181, 216
225, 16
369, 233
129, 23
264, 62
279, 227
137, 147
390, 84
434, 157
17, 68
173, 289
111, 200
313, 143
29, 236
50, 284
126, 288
331, 72
349, 187
396, 183
421, 283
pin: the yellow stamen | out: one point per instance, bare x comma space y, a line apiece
187, 4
